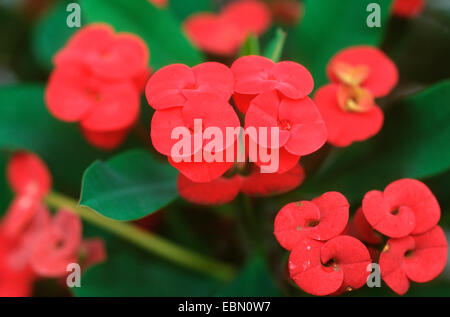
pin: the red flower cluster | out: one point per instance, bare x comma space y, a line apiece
277, 98
405, 214
408, 8
358, 75
32, 244
224, 33
276, 95
322, 261
97, 82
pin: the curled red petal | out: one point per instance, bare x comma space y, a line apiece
364, 231
243, 101
92, 251
349, 255
321, 219
429, 257
201, 172
406, 206
217, 192
306, 269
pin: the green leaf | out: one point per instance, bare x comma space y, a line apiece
414, 143
51, 34
255, 280
157, 27
250, 46
182, 8
130, 272
274, 48
128, 186
26, 124
331, 25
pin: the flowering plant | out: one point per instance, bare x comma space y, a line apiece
175, 148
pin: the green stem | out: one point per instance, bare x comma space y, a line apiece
146, 240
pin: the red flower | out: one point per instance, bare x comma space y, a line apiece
405, 207
419, 258
321, 219
256, 74
408, 8
301, 128
224, 189
200, 111
364, 66
97, 82
104, 53
350, 113
170, 86
223, 34
332, 267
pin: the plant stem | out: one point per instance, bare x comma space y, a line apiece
146, 240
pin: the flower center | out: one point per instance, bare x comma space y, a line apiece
354, 99
284, 124
350, 75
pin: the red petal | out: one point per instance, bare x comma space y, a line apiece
105, 140
126, 56
214, 34
429, 256
116, 109
219, 191
308, 132
19, 214
308, 273
164, 89
294, 80
213, 77
363, 229
350, 256
251, 74
261, 117
264, 184
28, 174
67, 93
201, 172
383, 74
257, 74
94, 252
321, 219
344, 127
215, 113
249, 16
85, 43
